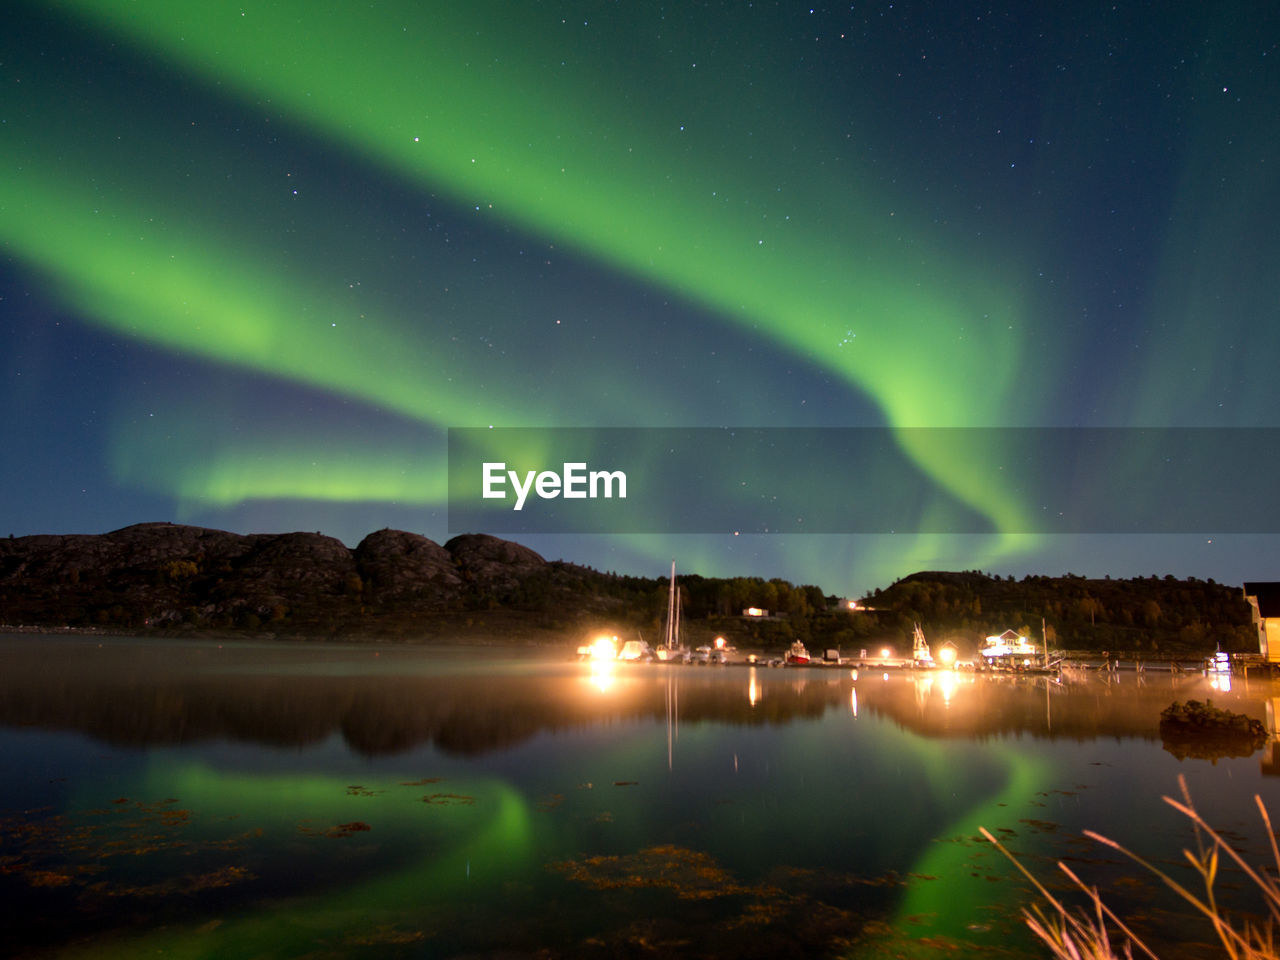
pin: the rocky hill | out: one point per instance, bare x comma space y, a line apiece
173, 578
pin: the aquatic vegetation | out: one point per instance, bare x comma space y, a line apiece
385, 936
690, 874
71, 849
791, 912
1096, 932
339, 831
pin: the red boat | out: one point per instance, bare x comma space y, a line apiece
797, 653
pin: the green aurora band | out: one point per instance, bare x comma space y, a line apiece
711, 181
781, 246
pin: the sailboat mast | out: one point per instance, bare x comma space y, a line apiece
671, 608
675, 637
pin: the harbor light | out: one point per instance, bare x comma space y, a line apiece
605, 648
884, 653
947, 655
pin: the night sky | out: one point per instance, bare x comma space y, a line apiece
256, 258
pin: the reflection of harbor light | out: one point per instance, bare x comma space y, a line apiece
947, 684
1220, 682
602, 675
853, 701
753, 687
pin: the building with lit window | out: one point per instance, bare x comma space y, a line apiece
1008, 648
1264, 598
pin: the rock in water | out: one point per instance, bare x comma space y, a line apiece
1201, 730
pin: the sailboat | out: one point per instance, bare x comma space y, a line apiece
671, 650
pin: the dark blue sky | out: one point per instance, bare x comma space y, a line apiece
255, 262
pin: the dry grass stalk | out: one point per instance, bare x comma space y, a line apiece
1086, 934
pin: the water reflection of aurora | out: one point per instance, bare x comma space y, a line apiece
471, 834
451, 847
482, 843
324, 796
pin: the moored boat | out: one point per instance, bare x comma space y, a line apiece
798, 654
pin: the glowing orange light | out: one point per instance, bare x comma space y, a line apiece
605, 648
602, 675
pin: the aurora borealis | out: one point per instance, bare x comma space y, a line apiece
257, 259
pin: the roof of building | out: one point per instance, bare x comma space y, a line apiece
1267, 594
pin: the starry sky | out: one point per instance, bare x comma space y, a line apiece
257, 259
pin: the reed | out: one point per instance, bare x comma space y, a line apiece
1095, 932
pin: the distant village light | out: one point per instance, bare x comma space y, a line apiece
852, 605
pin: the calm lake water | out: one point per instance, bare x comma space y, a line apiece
199, 799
